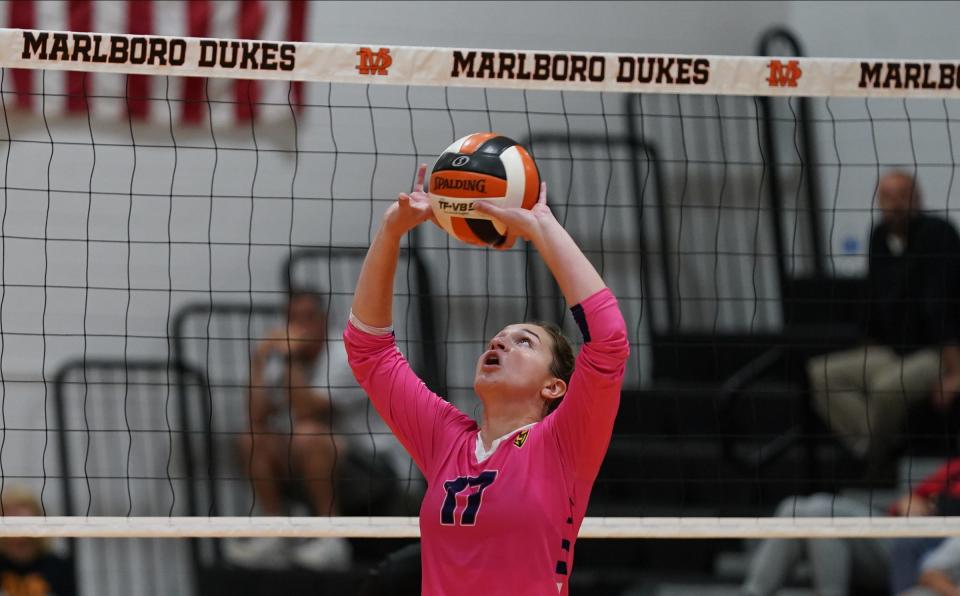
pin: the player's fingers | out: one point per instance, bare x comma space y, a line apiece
418, 198
542, 200
509, 240
420, 205
488, 209
507, 217
421, 176
483, 207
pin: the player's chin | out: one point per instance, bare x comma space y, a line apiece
483, 380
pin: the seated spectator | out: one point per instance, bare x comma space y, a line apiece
911, 353
838, 566
841, 566
907, 558
28, 567
940, 572
937, 495
291, 439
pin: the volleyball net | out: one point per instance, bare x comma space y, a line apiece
155, 223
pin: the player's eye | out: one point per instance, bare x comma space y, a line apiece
524, 340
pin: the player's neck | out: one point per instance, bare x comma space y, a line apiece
497, 424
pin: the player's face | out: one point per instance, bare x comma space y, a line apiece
305, 323
517, 361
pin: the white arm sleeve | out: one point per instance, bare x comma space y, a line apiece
369, 329
945, 558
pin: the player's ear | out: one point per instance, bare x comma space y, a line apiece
553, 388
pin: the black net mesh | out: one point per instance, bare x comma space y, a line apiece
144, 261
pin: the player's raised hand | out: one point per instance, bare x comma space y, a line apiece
520, 223
410, 210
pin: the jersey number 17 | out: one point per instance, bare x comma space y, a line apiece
456, 486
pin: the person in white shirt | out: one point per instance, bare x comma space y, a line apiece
290, 438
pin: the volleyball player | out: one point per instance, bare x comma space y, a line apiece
505, 498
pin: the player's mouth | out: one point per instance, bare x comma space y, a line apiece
490, 360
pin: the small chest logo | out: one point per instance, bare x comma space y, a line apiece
521, 438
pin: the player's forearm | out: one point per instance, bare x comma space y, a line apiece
373, 298
575, 274
938, 582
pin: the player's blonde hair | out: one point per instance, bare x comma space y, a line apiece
19, 496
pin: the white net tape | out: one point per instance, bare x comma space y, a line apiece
407, 527
465, 67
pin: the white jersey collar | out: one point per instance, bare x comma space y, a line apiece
483, 454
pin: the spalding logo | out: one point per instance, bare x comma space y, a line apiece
478, 185
460, 161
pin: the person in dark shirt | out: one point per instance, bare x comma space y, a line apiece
27, 565
911, 353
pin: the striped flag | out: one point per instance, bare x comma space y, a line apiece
115, 95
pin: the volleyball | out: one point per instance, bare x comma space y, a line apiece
481, 166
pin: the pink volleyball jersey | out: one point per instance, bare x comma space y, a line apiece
507, 524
